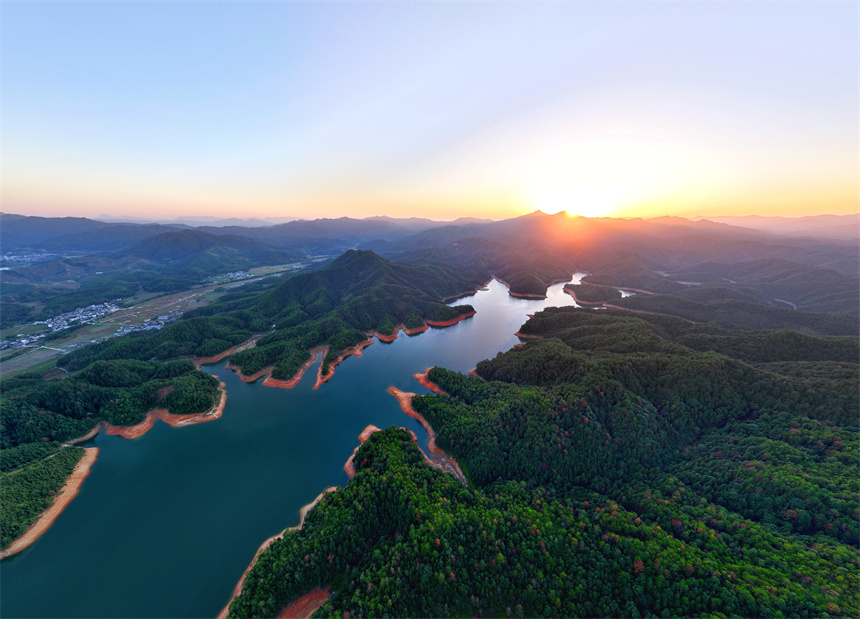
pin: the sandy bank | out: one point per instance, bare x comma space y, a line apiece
177, 421
198, 361
61, 500
437, 458
429, 384
305, 605
349, 466
453, 321
352, 351
237, 590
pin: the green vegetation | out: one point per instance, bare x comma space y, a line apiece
403, 539
120, 392
618, 471
17, 457
695, 458
588, 293
736, 314
359, 292
26, 493
810, 287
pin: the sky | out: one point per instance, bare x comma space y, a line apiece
441, 110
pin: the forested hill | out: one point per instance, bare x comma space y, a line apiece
120, 379
336, 306
205, 253
621, 465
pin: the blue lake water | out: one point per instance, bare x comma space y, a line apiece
165, 524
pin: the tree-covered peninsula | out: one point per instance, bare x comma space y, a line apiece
618, 466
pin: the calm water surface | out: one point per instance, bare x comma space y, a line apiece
165, 524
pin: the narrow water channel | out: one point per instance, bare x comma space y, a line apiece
165, 524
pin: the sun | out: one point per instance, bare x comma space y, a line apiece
584, 199
600, 175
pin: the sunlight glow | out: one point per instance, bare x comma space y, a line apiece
605, 175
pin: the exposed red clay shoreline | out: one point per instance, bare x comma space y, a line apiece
437, 458
305, 605
520, 295
578, 300
352, 351
61, 500
526, 336
349, 466
428, 384
474, 372
398, 328
453, 321
297, 377
302, 514
468, 292
198, 361
177, 421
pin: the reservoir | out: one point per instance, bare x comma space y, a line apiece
165, 524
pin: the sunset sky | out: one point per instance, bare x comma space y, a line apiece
441, 110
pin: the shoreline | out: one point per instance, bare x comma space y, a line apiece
61, 500
521, 295
468, 293
349, 465
437, 458
429, 384
96, 429
578, 301
453, 321
297, 377
249, 378
176, 421
250, 343
401, 327
352, 351
526, 336
303, 512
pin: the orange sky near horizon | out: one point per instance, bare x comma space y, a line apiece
325, 110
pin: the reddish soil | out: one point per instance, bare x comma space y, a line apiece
453, 321
386, 338
526, 336
428, 384
354, 351
177, 421
571, 292
437, 458
305, 605
474, 372
249, 378
349, 466
289, 384
302, 514
466, 293
198, 361
61, 500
